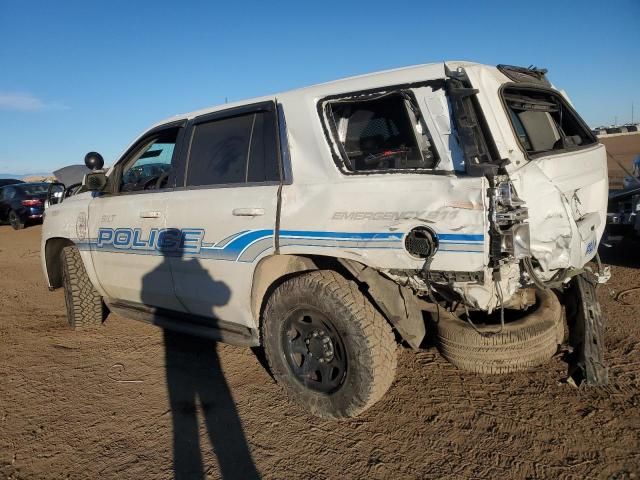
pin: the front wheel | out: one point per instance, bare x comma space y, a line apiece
85, 307
327, 345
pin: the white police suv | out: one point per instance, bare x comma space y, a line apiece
455, 201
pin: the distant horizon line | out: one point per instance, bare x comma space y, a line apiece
29, 174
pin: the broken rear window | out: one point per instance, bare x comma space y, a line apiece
381, 132
543, 121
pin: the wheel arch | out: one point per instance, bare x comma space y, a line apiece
270, 272
397, 304
52, 260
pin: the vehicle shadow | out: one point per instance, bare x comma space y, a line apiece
194, 377
623, 253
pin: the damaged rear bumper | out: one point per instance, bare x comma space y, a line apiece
586, 331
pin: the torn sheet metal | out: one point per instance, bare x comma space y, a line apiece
566, 196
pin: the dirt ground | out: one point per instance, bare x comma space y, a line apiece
623, 149
120, 402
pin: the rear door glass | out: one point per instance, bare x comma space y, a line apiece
34, 189
240, 149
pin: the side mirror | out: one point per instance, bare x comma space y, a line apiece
95, 181
93, 161
55, 194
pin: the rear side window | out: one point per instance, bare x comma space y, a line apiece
381, 132
233, 150
543, 121
33, 189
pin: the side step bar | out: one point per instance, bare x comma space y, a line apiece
211, 328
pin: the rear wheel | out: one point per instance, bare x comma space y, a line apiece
85, 307
16, 222
327, 345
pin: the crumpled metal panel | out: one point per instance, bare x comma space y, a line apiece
566, 193
385, 207
567, 199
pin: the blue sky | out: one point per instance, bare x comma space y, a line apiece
91, 75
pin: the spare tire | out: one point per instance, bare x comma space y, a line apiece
527, 342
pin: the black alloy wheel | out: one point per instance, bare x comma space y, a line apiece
314, 350
326, 344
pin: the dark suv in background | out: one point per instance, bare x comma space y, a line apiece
22, 203
9, 181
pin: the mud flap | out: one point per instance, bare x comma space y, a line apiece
586, 332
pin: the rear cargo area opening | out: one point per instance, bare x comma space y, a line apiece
544, 122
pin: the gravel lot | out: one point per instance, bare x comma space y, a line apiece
122, 401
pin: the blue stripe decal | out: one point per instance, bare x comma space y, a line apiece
248, 245
460, 251
462, 237
342, 235
232, 250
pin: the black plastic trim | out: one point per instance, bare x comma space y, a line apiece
266, 106
475, 140
514, 73
226, 185
211, 328
286, 173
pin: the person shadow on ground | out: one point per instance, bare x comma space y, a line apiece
194, 376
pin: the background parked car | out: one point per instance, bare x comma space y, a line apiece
22, 203
9, 181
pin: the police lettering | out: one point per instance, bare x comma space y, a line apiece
165, 240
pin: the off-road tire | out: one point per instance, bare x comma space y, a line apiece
562, 329
15, 220
524, 343
367, 337
85, 308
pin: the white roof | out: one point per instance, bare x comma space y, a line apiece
411, 74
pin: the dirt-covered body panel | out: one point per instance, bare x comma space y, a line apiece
366, 219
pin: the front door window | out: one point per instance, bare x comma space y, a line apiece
149, 167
